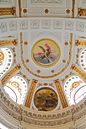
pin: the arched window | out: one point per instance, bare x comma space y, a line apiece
6, 59
11, 93
75, 89
83, 59
16, 88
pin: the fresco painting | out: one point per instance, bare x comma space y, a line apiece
46, 52
45, 99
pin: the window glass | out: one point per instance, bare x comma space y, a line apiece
2, 126
75, 89
16, 88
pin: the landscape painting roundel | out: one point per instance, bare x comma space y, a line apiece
46, 52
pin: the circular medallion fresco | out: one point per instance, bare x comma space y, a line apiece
45, 99
46, 52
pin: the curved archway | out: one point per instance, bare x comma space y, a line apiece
75, 89
83, 59
18, 86
6, 59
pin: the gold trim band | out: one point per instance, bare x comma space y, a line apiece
8, 43
73, 8
79, 72
10, 73
61, 94
30, 93
80, 43
7, 11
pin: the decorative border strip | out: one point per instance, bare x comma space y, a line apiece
79, 72
61, 94
73, 8
7, 11
8, 43
10, 73
80, 43
15, 25
30, 93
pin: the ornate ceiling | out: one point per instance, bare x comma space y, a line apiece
43, 53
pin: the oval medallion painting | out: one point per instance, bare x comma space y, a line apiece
46, 52
45, 99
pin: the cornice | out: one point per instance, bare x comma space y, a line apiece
49, 119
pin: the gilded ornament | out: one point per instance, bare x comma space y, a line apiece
1, 57
81, 12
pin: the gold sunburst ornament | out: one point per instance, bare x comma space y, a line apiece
46, 52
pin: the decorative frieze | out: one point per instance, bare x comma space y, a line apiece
3, 27
46, 24
80, 26
13, 26
24, 24
35, 24
57, 24
45, 119
69, 25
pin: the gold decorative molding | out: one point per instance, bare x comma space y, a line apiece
77, 56
61, 94
79, 72
80, 42
10, 73
30, 93
54, 75
8, 43
7, 11
25, 10
73, 8
81, 12
19, 1
68, 11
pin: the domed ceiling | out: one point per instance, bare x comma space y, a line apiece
43, 59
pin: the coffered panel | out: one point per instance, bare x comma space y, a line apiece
62, 8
